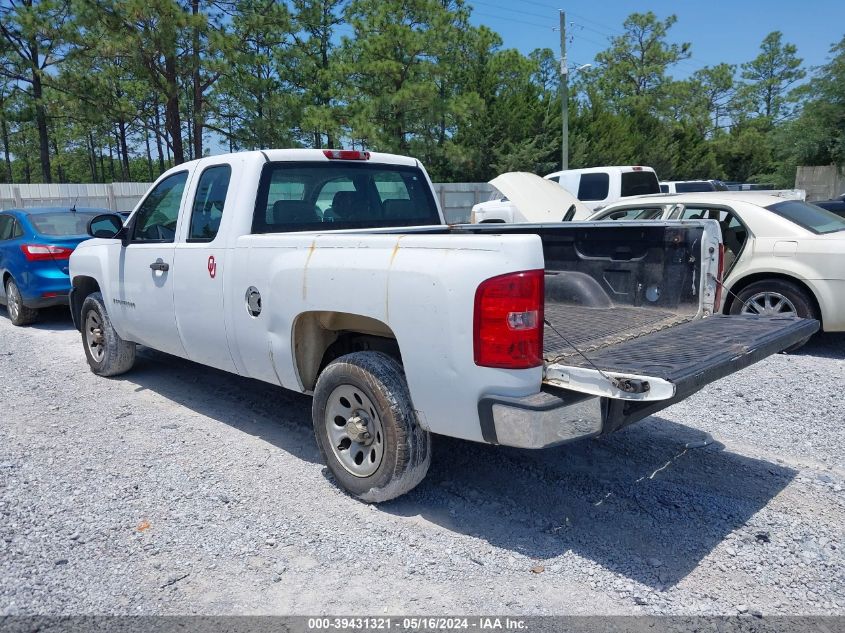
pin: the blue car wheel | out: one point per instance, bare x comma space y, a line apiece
19, 314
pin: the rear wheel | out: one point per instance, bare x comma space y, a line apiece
775, 297
107, 353
19, 314
366, 427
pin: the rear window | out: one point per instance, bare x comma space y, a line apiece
638, 213
694, 187
639, 183
335, 195
808, 216
61, 224
593, 186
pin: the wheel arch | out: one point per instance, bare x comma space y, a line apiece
81, 287
746, 281
321, 336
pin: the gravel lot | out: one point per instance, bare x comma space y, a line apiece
181, 489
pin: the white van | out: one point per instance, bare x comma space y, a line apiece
598, 187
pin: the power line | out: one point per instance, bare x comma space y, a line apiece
517, 11
512, 19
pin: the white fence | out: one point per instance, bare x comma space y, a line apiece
456, 199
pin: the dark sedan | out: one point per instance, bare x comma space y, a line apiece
837, 205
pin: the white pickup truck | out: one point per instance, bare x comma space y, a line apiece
333, 273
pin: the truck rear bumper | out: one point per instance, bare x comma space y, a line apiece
550, 417
687, 357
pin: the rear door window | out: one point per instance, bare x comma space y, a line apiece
593, 186
636, 213
734, 233
639, 183
7, 223
209, 200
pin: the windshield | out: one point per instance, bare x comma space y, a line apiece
808, 216
694, 187
341, 195
61, 224
639, 183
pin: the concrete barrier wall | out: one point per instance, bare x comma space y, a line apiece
821, 182
456, 199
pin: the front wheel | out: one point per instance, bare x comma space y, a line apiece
775, 297
19, 314
107, 353
366, 427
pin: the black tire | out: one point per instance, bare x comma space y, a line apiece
111, 355
19, 314
406, 452
804, 306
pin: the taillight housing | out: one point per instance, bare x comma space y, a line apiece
717, 306
508, 321
345, 154
45, 252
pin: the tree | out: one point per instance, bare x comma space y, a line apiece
34, 35
151, 36
314, 69
633, 71
771, 74
254, 108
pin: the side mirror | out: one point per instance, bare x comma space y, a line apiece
105, 225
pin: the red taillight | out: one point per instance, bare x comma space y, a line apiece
508, 321
346, 154
41, 252
718, 301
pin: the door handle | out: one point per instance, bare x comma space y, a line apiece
160, 265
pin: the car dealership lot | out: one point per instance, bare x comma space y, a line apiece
181, 489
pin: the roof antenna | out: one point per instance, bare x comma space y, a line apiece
73, 206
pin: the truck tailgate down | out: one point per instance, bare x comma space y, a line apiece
689, 356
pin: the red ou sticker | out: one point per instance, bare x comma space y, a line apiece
212, 267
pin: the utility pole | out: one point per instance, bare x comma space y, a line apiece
564, 95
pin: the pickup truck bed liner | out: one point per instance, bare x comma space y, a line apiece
703, 345
592, 329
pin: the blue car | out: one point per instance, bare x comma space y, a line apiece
35, 245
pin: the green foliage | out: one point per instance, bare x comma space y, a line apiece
99, 90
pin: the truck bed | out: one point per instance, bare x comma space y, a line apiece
593, 329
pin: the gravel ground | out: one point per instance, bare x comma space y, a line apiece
178, 489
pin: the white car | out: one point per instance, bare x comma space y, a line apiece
522, 197
782, 256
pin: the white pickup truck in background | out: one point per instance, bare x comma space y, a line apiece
333, 273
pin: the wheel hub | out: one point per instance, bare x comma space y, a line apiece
769, 304
357, 429
354, 430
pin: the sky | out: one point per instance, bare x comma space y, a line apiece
719, 31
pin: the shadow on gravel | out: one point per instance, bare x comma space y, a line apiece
56, 319
637, 503
827, 345
278, 416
